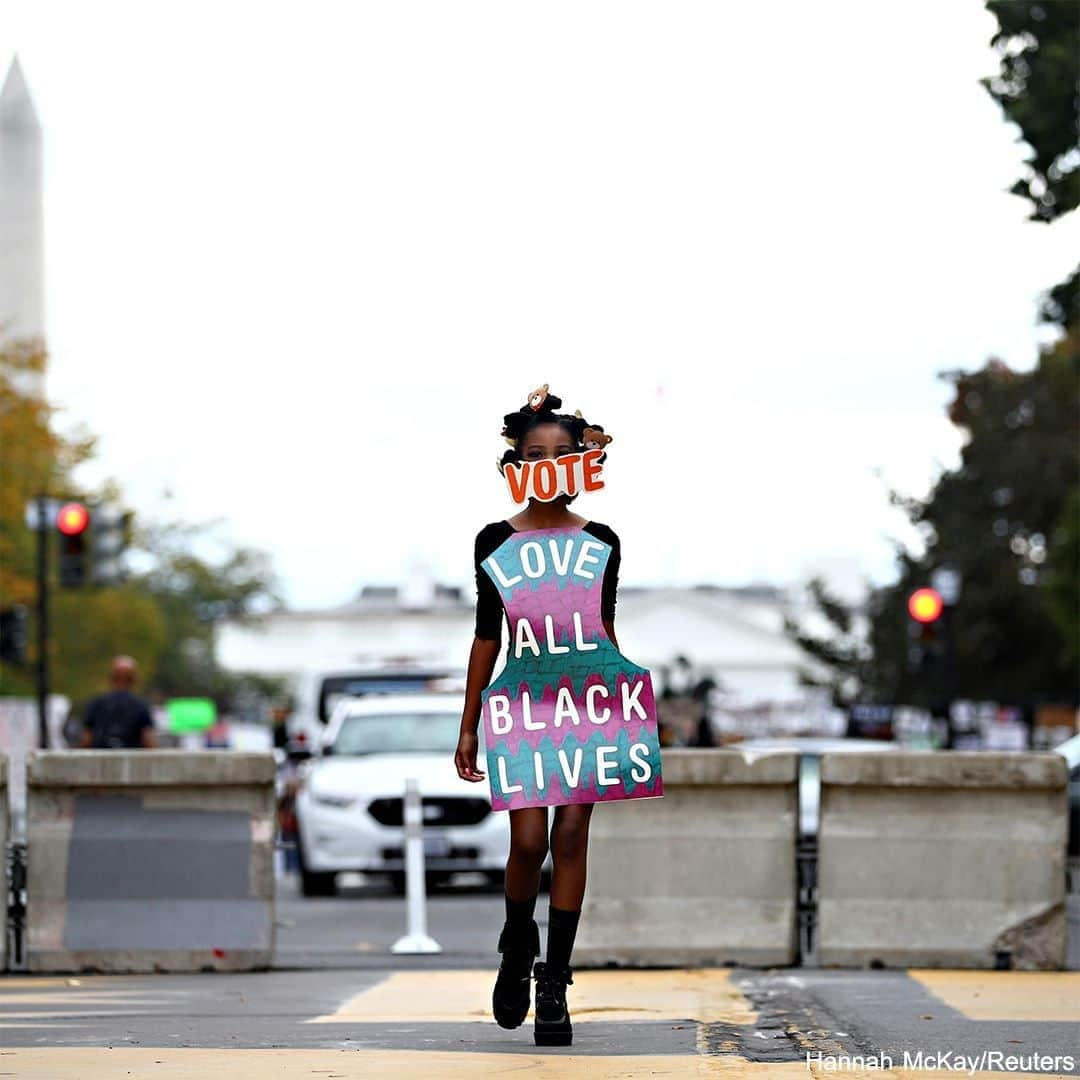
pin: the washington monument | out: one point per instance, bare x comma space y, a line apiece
22, 256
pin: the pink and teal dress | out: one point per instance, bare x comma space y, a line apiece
591, 711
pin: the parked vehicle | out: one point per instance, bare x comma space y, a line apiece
318, 692
350, 804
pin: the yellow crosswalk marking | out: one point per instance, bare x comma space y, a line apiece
703, 994
1006, 995
98, 1063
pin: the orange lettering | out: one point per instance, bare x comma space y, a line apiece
592, 470
517, 476
545, 479
568, 461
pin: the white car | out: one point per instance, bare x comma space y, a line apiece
317, 692
349, 807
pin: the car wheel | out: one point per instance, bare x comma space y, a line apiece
315, 882
397, 882
433, 879
318, 884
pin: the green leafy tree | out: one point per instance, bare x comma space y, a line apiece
842, 652
1063, 578
35, 459
164, 616
197, 580
1038, 87
1061, 305
1001, 519
90, 627
1007, 519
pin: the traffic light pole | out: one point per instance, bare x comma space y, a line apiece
951, 686
43, 621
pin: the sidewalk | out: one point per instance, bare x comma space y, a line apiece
422, 1022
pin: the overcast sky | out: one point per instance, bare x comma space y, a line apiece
302, 257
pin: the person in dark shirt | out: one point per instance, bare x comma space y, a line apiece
118, 719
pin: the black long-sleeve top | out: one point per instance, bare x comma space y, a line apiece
489, 607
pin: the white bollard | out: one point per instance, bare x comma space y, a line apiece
416, 940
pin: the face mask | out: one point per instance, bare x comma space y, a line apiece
547, 478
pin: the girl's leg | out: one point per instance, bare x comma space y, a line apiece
569, 850
519, 940
528, 849
569, 847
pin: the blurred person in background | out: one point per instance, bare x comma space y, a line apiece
119, 719
703, 697
217, 735
287, 788
279, 717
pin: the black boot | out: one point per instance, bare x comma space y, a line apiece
510, 998
552, 1017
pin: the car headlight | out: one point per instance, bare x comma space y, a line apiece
339, 802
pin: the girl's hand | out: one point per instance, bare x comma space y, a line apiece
465, 758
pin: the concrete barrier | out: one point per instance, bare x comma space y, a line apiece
942, 860
149, 860
705, 875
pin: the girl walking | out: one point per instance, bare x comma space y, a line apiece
569, 721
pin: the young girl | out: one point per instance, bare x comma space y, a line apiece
537, 432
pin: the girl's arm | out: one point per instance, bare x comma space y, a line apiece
610, 587
482, 657
487, 640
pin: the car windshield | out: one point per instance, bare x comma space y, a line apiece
399, 733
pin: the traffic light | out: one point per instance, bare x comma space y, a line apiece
110, 535
13, 634
72, 521
92, 543
925, 607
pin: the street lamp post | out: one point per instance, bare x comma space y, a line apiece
42, 672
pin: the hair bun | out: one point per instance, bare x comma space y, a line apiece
540, 406
538, 403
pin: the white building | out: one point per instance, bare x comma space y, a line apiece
734, 635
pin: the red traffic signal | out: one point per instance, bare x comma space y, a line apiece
925, 605
72, 519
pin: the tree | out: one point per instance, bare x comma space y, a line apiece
197, 580
1008, 518
164, 617
1061, 305
1063, 578
34, 460
92, 626
1038, 87
1001, 519
842, 652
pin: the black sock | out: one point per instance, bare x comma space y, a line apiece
519, 913
562, 929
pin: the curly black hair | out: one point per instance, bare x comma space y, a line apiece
518, 424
